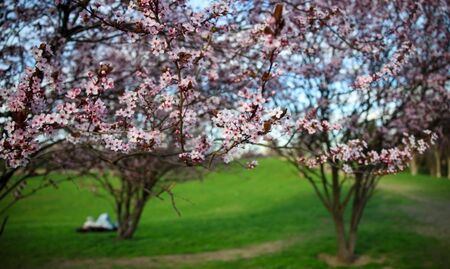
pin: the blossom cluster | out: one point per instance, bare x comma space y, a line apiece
166, 111
203, 86
28, 107
391, 68
356, 155
313, 126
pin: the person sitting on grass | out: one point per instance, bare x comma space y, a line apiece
102, 224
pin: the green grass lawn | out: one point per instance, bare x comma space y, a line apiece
405, 223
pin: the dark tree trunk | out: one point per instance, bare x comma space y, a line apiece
4, 180
337, 199
413, 166
352, 239
130, 205
344, 253
448, 167
337, 210
437, 159
129, 222
3, 225
347, 231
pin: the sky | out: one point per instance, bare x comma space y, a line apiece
199, 3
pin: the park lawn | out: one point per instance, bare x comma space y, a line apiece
235, 208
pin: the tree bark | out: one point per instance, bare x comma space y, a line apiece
336, 200
2, 227
437, 159
344, 253
130, 210
127, 230
413, 166
448, 167
352, 239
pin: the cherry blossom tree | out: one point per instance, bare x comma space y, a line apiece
137, 78
130, 181
24, 24
352, 83
326, 84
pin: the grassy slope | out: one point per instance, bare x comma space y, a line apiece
229, 209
